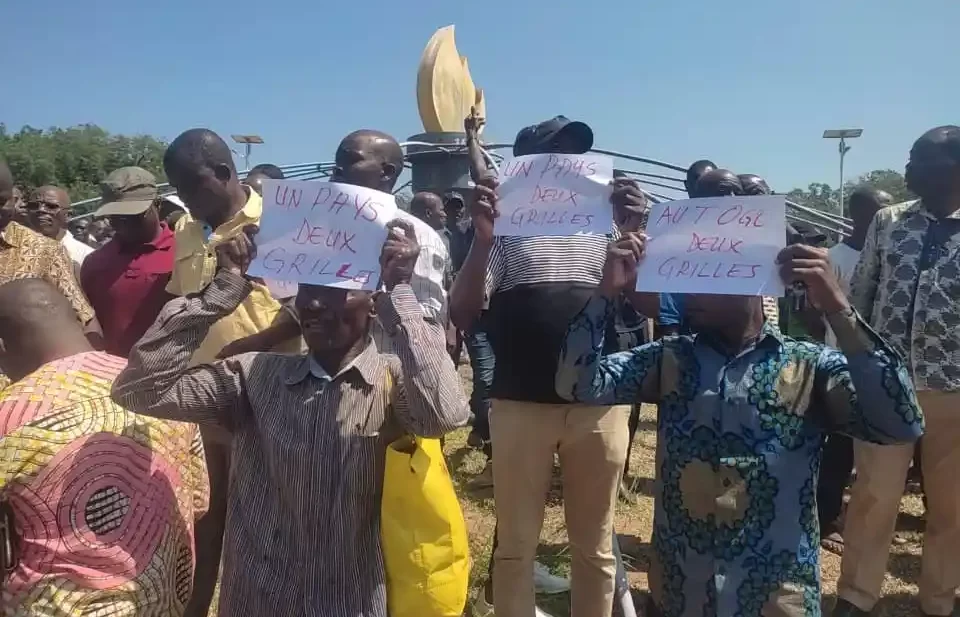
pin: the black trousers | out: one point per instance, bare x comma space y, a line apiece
836, 464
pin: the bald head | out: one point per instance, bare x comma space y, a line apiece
754, 185
49, 190
933, 171
718, 183
369, 158
695, 172
37, 325
428, 207
200, 166
864, 203
195, 149
47, 210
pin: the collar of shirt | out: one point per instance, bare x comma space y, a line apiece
918, 206
14, 233
163, 242
195, 261
248, 215
366, 364
770, 335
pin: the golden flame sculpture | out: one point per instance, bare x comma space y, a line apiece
445, 90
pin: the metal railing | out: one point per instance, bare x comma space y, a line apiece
648, 179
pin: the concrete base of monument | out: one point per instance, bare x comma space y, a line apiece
439, 163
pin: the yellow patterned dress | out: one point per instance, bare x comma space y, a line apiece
104, 500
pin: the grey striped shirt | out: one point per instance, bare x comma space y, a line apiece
303, 535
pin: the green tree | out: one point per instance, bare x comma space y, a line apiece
817, 195
826, 199
76, 158
887, 180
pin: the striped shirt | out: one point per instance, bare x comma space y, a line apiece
535, 286
303, 535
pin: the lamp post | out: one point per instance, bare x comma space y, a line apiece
248, 141
843, 135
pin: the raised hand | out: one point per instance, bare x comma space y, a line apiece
620, 268
473, 123
238, 252
630, 206
811, 266
483, 208
399, 254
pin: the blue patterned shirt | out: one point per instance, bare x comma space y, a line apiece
735, 529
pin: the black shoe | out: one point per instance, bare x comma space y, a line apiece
844, 609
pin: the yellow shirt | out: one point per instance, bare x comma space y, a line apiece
195, 266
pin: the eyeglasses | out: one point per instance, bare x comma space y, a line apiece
47, 206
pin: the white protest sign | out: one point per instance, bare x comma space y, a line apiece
322, 233
555, 195
715, 245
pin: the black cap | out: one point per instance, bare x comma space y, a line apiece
452, 195
538, 139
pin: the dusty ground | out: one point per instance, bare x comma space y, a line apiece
633, 524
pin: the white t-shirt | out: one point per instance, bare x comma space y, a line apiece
77, 250
844, 260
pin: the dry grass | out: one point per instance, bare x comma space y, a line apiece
634, 524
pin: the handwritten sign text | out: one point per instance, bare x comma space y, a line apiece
719, 245
555, 195
322, 233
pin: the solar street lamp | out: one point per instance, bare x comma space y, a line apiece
843, 135
248, 141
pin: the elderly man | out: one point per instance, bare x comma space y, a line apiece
26, 254
309, 432
47, 210
907, 285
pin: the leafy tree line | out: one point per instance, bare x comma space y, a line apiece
826, 198
76, 158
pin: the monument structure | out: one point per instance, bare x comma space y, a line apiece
445, 94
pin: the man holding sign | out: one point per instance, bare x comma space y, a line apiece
743, 411
200, 166
309, 432
537, 278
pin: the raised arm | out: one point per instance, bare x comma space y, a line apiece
430, 401
471, 128
863, 389
585, 375
483, 267
159, 380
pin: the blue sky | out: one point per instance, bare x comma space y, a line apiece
750, 87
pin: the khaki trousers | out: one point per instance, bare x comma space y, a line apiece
592, 444
875, 501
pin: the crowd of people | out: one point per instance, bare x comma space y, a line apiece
170, 426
